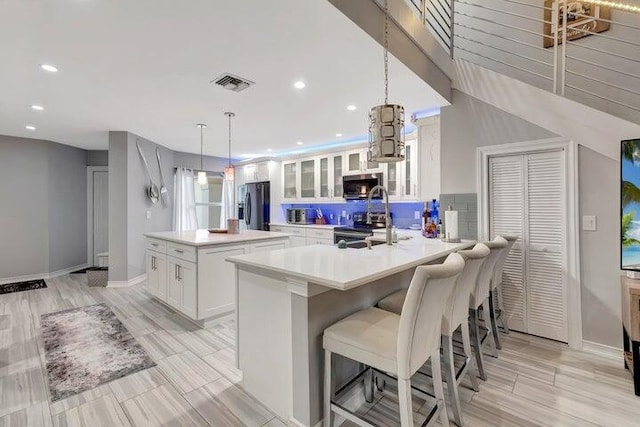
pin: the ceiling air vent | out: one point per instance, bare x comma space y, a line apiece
231, 82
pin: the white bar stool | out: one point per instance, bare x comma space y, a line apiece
396, 344
457, 315
480, 298
496, 290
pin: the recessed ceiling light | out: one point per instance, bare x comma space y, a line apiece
351, 107
299, 143
30, 127
299, 84
37, 107
49, 68
269, 150
338, 135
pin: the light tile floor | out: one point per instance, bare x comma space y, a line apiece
534, 382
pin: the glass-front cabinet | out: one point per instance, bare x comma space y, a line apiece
392, 180
357, 162
290, 179
325, 191
410, 171
308, 179
337, 170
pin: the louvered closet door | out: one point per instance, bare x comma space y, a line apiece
506, 194
527, 198
546, 290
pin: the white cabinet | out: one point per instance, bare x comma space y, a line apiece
182, 290
357, 162
330, 169
290, 180
409, 174
199, 282
308, 179
156, 283
215, 276
304, 236
255, 172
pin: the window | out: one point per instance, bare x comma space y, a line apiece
209, 201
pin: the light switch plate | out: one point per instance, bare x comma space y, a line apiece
416, 214
589, 223
148, 214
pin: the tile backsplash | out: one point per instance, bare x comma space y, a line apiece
403, 214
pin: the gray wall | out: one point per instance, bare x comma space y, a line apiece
118, 159
97, 158
600, 250
469, 123
44, 207
192, 161
67, 199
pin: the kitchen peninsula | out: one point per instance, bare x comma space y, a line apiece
285, 300
187, 270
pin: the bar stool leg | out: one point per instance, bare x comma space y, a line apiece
477, 344
494, 322
368, 386
438, 389
486, 313
466, 344
327, 420
503, 319
404, 396
450, 378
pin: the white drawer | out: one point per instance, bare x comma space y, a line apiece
320, 233
156, 245
296, 231
315, 241
185, 252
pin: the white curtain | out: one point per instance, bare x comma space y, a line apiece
227, 210
184, 201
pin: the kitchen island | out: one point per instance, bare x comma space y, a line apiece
285, 300
187, 270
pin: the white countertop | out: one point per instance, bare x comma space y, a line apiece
204, 238
345, 269
321, 226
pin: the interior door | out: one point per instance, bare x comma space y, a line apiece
527, 197
100, 214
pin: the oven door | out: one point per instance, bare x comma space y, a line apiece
350, 236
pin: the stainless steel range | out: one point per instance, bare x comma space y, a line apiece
360, 229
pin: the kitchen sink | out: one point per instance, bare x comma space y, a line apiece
359, 244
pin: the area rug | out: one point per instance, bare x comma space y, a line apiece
22, 286
86, 347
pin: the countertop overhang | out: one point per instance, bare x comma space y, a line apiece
346, 269
204, 238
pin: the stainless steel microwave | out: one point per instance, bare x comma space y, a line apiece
357, 187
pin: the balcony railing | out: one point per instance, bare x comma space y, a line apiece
584, 52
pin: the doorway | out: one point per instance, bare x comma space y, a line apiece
529, 189
97, 213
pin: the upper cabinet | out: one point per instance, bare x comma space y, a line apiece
290, 180
357, 163
308, 179
256, 172
330, 169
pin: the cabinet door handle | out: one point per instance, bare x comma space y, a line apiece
175, 271
179, 273
155, 245
153, 263
180, 251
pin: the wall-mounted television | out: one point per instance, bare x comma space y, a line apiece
630, 205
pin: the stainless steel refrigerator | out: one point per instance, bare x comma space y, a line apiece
254, 205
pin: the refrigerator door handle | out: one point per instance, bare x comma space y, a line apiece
247, 208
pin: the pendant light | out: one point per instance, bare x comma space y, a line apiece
386, 121
202, 175
229, 171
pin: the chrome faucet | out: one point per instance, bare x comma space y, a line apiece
387, 215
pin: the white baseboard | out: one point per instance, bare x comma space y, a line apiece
602, 350
42, 275
126, 283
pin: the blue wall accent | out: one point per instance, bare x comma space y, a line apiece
402, 213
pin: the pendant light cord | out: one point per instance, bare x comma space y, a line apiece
229, 140
386, 51
201, 147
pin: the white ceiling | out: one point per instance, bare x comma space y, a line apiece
144, 66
